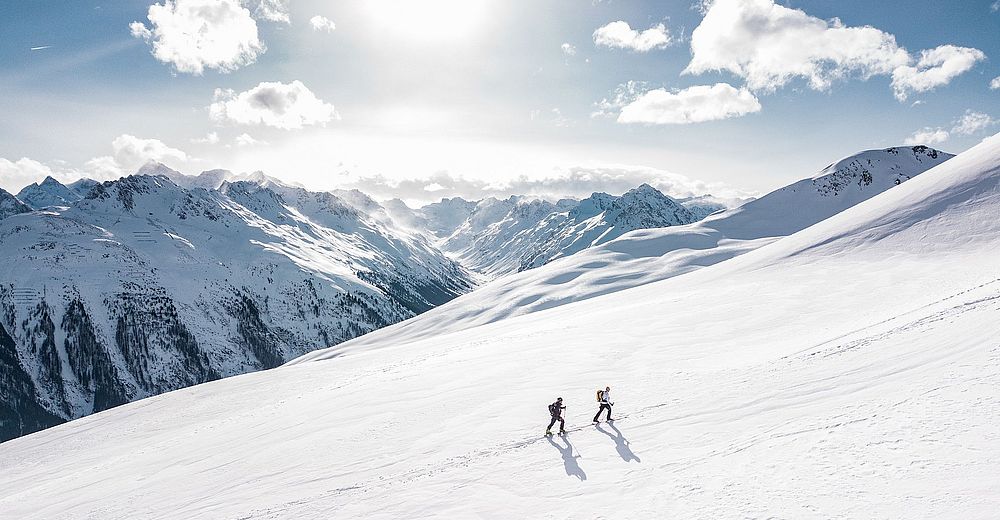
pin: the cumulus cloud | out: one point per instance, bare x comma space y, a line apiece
769, 45
322, 23
568, 49
131, 152
279, 105
15, 175
576, 182
936, 67
621, 96
246, 139
128, 154
193, 35
619, 35
272, 10
691, 105
927, 136
972, 123
995, 83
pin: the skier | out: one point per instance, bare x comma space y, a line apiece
604, 397
555, 410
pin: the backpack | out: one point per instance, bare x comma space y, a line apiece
600, 395
553, 409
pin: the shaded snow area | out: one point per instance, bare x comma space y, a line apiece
849, 370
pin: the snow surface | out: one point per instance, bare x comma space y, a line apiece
850, 370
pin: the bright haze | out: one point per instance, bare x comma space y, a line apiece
433, 98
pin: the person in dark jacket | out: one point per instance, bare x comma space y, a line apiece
606, 404
555, 410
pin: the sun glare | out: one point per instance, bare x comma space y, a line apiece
429, 20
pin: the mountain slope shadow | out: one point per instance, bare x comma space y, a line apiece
573, 468
621, 443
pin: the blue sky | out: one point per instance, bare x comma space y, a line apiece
472, 96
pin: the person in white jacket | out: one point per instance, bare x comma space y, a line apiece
606, 403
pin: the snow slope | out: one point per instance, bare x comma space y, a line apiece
850, 370
645, 256
10, 205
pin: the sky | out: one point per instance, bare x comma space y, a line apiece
422, 99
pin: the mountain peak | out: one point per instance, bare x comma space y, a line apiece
153, 168
10, 205
49, 192
879, 168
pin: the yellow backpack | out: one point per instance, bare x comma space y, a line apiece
600, 395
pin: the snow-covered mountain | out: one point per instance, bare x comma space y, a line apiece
516, 234
10, 205
646, 256
145, 287
49, 192
848, 370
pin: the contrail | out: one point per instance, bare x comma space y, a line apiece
43, 47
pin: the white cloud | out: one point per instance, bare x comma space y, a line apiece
996, 6
193, 35
103, 167
622, 36
927, 136
622, 95
322, 23
272, 10
210, 138
995, 83
972, 122
769, 45
936, 67
577, 182
131, 152
568, 49
691, 105
15, 175
286, 106
246, 139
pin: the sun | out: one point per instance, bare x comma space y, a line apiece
428, 20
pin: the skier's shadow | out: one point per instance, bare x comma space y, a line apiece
621, 443
569, 460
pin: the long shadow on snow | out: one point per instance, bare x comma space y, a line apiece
573, 469
621, 443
